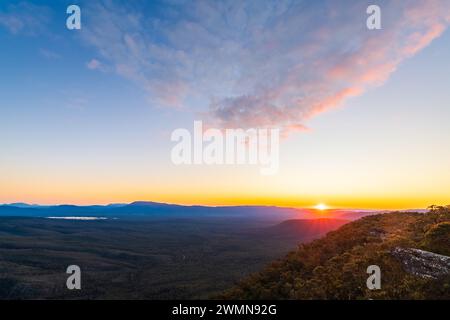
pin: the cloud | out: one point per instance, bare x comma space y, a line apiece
25, 18
94, 64
48, 54
260, 63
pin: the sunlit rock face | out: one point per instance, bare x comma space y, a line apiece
423, 263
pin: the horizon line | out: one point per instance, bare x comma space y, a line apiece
331, 208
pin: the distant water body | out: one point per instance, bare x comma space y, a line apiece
78, 218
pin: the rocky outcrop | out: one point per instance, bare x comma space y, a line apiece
422, 263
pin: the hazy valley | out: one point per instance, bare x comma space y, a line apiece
142, 256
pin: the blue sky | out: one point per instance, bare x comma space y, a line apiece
86, 114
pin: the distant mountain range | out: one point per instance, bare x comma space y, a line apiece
148, 209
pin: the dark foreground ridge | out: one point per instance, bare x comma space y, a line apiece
411, 250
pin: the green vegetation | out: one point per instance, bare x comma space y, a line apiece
437, 235
334, 267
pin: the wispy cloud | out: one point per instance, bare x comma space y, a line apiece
25, 18
94, 64
48, 54
260, 63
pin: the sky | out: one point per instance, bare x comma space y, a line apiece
86, 115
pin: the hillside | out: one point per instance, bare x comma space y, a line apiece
303, 229
334, 267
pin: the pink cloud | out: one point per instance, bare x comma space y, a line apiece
417, 41
369, 64
263, 63
93, 64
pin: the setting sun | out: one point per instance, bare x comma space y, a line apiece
321, 207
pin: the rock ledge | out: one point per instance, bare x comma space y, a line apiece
422, 263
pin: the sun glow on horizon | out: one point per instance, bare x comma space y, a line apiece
321, 207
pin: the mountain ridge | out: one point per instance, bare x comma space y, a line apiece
157, 209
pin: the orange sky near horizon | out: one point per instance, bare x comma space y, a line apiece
332, 202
